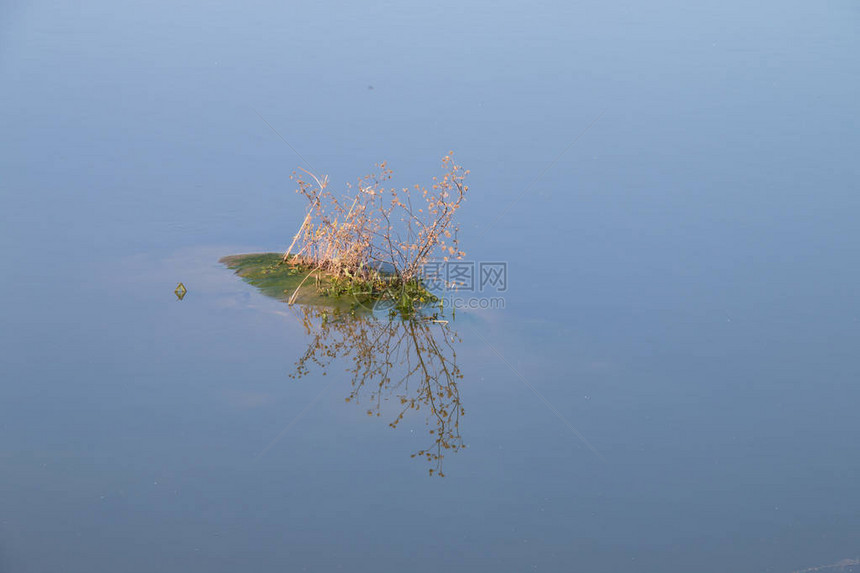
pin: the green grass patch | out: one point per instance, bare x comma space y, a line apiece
279, 279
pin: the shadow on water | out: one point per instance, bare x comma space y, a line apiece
411, 362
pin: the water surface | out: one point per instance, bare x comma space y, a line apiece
671, 386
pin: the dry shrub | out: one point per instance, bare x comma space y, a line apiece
372, 230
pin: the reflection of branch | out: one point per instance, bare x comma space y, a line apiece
841, 566
385, 355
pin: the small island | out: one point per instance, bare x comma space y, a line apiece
365, 250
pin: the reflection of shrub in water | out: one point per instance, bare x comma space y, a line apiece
412, 361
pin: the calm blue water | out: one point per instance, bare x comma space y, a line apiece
673, 187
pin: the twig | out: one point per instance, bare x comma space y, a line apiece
296, 292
